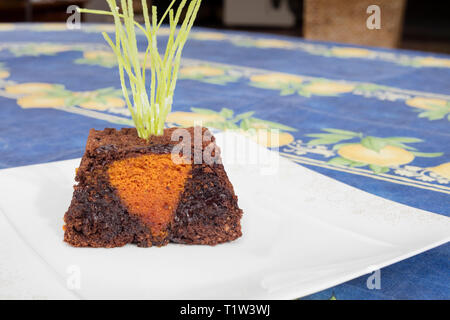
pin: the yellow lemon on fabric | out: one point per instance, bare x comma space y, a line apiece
6, 26
285, 138
267, 139
54, 27
275, 78
264, 137
443, 170
328, 88
104, 27
434, 62
387, 156
51, 48
273, 43
39, 101
98, 54
187, 119
4, 74
29, 88
105, 58
259, 125
162, 31
111, 102
208, 36
201, 70
350, 52
425, 103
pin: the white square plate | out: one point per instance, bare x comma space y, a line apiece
302, 232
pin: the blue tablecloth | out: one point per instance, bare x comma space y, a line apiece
375, 119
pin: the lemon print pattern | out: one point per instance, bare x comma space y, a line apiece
105, 59
289, 84
48, 95
328, 88
214, 36
378, 153
100, 28
6, 27
4, 74
189, 119
52, 27
263, 43
98, 54
350, 52
201, 71
442, 170
40, 49
266, 133
107, 103
273, 43
430, 108
268, 139
425, 103
29, 88
277, 80
385, 157
433, 62
285, 83
208, 74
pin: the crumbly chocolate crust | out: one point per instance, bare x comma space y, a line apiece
207, 212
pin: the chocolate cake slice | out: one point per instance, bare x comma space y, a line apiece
131, 191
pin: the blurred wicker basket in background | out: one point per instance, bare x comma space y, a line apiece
345, 21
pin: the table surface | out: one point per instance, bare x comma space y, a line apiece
376, 119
